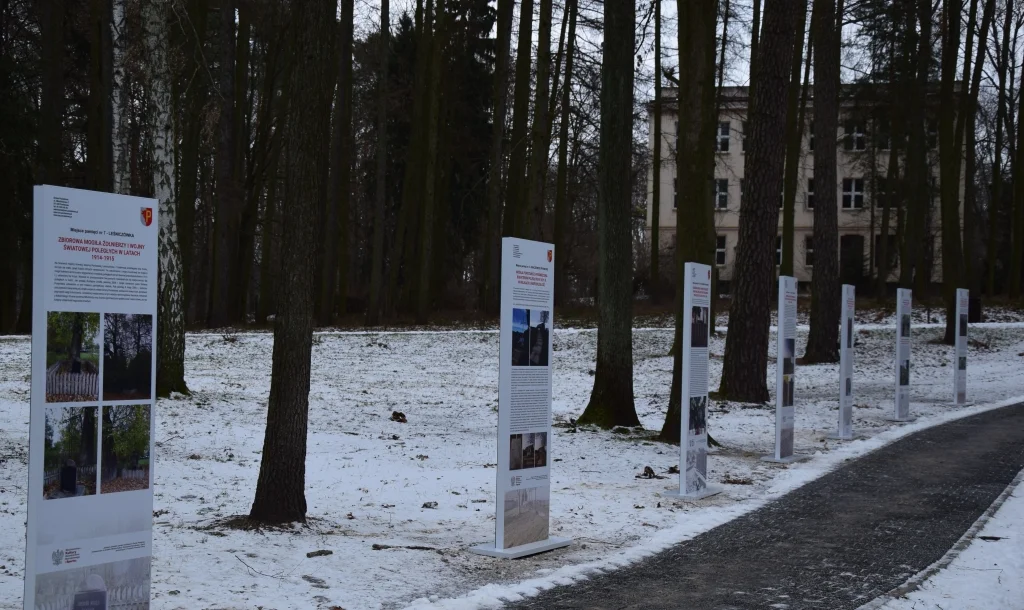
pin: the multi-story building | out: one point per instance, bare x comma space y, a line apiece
862, 162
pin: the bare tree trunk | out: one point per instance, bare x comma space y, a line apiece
492, 247
516, 195
913, 270
51, 101
563, 210
533, 220
226, 224
170, 344
334, 280
655, 270
997, 165
611, 401
746, 348
949, 163
380, 199
966, 123
695, 162
1017, 215
823, 340
99, 145
430, 190
795, 107
280, 489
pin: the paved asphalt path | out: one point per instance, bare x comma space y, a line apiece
837, 542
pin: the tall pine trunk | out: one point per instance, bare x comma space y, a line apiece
516, 195
280, 490
746, 348
655, 270
695, 159
489, 295
563, 212
170, 343
433, 118
334, 281
1002, 67
99, 143
533, 212
611, 401
950, 163
380, 197
794, 136
823, 339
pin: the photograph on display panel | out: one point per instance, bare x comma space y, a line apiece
962, 363
905, 372
526, 516
72, 356
905, 325
515, 452
127, 356
111, 586
520, 349
125, 462
786, 442
787, 390
849, 386
696, 468
963, 325
540, 449
849, 333
788, 356
69, 452
528, 458
540, 331
699, 326
698, 415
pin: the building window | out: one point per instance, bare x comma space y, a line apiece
882, 139
854, 137
746, 132
810, 194
810, 136
720, 250
933, 134
853, 193
809, 251
778, 250
722, 141
721, 193
675, 193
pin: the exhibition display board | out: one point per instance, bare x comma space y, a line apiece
523, 502
785, 374
901, 404
94, 307
693, 448
846, 340
963, 297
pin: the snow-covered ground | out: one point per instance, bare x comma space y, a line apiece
368, 477
988, 574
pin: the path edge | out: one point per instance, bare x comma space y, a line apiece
916, 581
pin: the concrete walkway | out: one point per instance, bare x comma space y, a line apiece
837, 542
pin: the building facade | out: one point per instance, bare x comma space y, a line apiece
862, 162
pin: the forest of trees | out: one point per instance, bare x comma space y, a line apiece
315, 165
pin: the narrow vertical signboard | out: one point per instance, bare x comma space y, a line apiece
785, 374
90, 493
845, 430
522, 526
693, 446
901, 404
963, 297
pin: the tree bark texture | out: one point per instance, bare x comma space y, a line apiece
280, 489
794, 136
380, 197
746, 348
655, 271
950, 159
695, 163
563, 211
517, 193
611, 401
826, 291
996, 203
533, 211
170, 341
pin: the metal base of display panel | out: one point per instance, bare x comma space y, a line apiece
710, 490
901, 421
523, 550
796, 457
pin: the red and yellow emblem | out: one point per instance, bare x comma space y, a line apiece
146, 216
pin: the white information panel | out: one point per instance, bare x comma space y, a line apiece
960, 370
693, 446
785, 373
901, 404
524, 401
846, 338
90, 494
